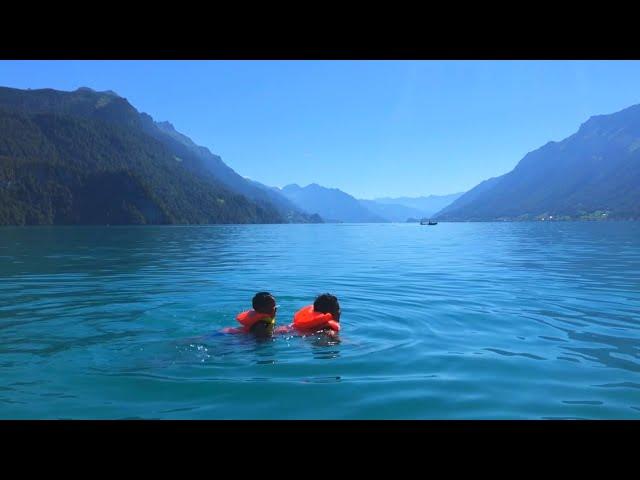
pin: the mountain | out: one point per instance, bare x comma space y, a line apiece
392, 212
402, 208
471, 195
88, 157
429, 205
213, 164
331, 204
594, 173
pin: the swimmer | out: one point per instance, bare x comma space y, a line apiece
321, 317
259, 321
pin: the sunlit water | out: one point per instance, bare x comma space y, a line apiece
455, 321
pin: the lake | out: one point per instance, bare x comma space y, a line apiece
455, 321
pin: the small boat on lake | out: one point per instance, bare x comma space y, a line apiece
424, 221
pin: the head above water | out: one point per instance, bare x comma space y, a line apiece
264, 302
327, 303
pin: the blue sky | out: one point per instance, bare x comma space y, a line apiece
370, 128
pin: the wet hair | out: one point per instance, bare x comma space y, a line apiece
327, 303
263, 302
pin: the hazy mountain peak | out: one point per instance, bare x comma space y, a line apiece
626, 117
166, 126
91, 90
413, 206
332, 204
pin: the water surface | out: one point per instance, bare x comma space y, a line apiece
457, 321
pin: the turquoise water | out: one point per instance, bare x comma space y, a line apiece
457, 321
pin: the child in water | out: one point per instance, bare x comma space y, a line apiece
321, 317
261, 320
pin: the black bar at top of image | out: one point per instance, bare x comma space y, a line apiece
293, 52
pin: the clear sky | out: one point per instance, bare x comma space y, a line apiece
370, 128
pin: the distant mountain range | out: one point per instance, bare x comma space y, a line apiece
88, 157
332, 204
593, 174
392, 212
403, 208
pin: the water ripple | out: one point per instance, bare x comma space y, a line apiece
487, 320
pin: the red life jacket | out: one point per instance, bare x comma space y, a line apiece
249, 318
307, 319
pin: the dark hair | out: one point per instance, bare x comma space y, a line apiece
327, 303
263, 302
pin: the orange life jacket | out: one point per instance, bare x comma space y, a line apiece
249, 318
307, 319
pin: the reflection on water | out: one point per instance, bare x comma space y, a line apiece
488, 320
